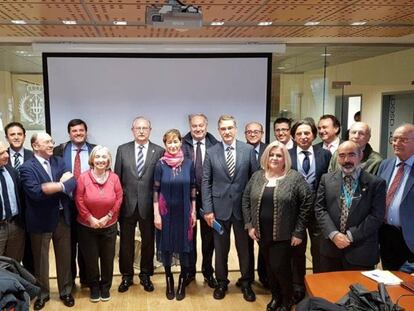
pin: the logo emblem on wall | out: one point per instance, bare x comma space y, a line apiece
31, 107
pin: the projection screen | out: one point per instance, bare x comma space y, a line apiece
108, 91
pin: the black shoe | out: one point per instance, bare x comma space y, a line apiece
211, 281
298, 295
94, 295
286, 306
180, 295
125, 284
273, 304
220, 291
68, 300
145, 281
190, 277
169, 292
248, 293
105, 295
40, 303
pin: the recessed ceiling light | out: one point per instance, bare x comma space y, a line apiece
120, 23
265, 23
312, 23
358, 23
19, 22
216, 23
326, 54
281, 67
69, 22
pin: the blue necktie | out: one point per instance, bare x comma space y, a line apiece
306, 162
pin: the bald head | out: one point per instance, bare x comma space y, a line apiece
360, 133
403, 141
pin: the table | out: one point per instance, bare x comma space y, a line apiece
334, 285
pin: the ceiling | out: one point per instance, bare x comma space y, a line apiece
386, 21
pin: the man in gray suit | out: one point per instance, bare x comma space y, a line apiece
134, 164
227, 168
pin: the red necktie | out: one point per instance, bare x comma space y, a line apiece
394, 187
77, 164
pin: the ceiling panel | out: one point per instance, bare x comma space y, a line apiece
110, 12
385, 32
63, 31
371, 13
263, 32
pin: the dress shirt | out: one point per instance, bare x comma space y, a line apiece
233, 145
10, 192
45, 166
289, 144
144, 151
334, 145
393, 215
84, 157
21, 155
301, 156
202, 147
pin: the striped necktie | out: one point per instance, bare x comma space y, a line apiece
17, 161
230, 160
140, 160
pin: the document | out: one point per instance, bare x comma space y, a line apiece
382, 276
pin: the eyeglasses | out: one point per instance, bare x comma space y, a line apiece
143, 129
255, 132
396, 139
282, 130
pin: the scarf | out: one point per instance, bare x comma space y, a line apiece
173, 161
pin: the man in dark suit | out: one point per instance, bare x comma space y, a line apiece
135, 164
227, 168
253, 132
47, 185
12, 234
329, 129
75, 153
350, 208
397, 233
311, 162
15, 136
195, 144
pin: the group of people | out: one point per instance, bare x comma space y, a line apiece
354, 206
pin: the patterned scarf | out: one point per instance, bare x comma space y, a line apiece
174, 160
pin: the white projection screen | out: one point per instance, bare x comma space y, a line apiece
108, 91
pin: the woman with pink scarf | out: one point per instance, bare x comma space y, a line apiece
174, 211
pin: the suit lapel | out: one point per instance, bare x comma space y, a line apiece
337, 185
39, 167
131, 158
221, 158
148, 159
360, 193
409, 184
294, 157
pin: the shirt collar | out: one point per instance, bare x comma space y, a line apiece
233, 145
75, 148
334, 143
203, 141
145, 145
12, 152
41, 159
299, 150
409, 161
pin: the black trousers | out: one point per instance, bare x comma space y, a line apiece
127, 245
207, 245
299, 253
277, 257
393, 249
98, 247
76, 259
222, 248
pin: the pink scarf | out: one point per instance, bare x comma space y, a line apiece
173, 161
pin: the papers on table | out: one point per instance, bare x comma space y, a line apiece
383, 276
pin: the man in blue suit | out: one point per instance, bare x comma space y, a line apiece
47, 185
76, 153
397, 233
227, 168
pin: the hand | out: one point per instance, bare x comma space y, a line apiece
252, 234
66, 176
193, 219
209, 217
158, 222
294, 241
341, 241
94, 222
51, 187
103, 221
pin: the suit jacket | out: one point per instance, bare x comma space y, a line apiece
222, 194
407, 203
42, 211
322, 158
28, 154
138, 190
366, 215
64, 150
188, 147
17, 190
261, 150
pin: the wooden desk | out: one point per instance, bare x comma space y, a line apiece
334, 285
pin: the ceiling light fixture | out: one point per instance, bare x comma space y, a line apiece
312, 23
19, 22
326, 54
68, 22
120, 23
264, 23
358, 23
216, 23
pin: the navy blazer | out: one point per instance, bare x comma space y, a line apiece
322, 159
42, 211
407, 203
65, 151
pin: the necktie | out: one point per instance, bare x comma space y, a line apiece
77, 164
5, 195
306, 162
394, 186
198, 165
140, 160
257, 154
344, 207
17, 161
230, 161
48, 169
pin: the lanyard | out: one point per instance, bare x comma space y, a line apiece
348, 195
